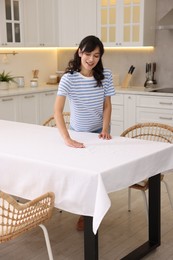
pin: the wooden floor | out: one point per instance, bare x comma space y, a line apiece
119, 233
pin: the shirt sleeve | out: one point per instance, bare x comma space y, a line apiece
64, 85
108, 83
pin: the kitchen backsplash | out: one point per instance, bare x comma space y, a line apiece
23, 63
47, 61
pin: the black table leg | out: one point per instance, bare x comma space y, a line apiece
90, 240
154, 222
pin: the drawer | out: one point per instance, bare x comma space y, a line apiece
117, 113
117, 99
155, 102
154, 115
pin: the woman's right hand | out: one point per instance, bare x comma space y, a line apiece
72, 143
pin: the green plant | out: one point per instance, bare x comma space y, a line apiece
6, 77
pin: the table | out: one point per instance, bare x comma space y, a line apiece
34, 160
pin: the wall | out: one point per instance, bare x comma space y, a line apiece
119, 61
27, 60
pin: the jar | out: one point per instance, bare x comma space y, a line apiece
34, 83
53, 79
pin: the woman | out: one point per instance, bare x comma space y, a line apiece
89, 88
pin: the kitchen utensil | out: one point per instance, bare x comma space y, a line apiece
148, 81
35, 73
153, 72
128, 77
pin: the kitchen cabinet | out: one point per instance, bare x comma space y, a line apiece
123, 112
76, 20
126, 23
129, 110
47, 100
117, 116
11, 23
31, 107
28, 108
9, 108
154, 109
40, 22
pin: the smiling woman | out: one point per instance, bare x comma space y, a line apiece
88, 87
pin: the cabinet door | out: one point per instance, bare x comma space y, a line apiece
9, 108
29, 108
11, 26
129, 110
76, 20
46, 106
126, 23
39, 23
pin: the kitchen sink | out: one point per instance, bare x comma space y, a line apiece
162, 90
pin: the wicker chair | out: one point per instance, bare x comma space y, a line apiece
154, 132
51, 121
16, 218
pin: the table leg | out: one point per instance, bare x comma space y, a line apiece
90, 240
154, 221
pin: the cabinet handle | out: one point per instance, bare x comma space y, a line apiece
165, 118
165, 103
49, 94
29, 96
7, 99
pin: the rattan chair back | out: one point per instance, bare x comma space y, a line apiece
51, 121
16, 218
150, 131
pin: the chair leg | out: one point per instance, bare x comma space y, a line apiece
46, 235
168, 191
145, 202
129, 199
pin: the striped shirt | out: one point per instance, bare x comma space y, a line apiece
86, 99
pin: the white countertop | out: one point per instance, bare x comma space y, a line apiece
28, 90
140, 90
135, 90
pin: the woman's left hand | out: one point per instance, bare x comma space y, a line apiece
105, 135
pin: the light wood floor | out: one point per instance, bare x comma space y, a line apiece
120, 232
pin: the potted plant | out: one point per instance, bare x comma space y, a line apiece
5, 79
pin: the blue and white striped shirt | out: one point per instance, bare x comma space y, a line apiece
86, 99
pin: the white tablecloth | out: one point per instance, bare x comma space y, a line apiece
34, 160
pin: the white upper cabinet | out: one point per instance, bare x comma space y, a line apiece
11, 26
40, 23
126, 22
76, 20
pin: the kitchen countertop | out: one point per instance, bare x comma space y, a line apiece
135, 90
27, 90
141, 91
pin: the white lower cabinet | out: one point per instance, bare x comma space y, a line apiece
28, 108
117, 117
154, 109
129, 109
9, 108
32, 108
47, 100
